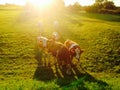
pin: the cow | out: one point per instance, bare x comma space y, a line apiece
74, 49
58, 50
41, 46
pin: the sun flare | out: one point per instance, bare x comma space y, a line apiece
41, 3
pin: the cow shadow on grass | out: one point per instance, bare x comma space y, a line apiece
43, 73
77, 79
81, 80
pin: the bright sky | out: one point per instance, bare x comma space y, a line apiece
67, 2
82, 2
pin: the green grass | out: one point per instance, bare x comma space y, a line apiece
98, 35
27, 85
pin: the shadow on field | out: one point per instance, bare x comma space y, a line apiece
42, 72
77, 78
81, 81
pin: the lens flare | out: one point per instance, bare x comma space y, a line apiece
41, 3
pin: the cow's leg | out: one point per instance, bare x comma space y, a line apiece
69, 66
44, 59
48, 57
55, 62
59, 63
39, 56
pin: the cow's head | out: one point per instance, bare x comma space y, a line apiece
42, 42
76, 52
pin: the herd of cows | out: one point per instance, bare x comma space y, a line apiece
62, 52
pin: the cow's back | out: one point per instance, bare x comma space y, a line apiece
64, 55
60, 51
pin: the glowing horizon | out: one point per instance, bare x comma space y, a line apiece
67, 2
81, 2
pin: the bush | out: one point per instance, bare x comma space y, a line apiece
109, 5
94, 8
104, 8
106, 11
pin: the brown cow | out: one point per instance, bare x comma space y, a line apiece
59, 51
74, 49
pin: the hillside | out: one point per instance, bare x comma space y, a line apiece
98, 36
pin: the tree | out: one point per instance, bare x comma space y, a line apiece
75, 7
109, 5
103, 6
99, 1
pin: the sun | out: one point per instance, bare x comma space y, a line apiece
41, 3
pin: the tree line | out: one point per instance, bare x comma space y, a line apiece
100, 6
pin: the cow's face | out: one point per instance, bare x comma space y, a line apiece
78, 53
42, 42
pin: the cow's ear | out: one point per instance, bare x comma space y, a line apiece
67, 41
72, 50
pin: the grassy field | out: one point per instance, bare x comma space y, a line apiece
20, 63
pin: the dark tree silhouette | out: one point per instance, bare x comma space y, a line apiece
109, 5
76, 7
99, 1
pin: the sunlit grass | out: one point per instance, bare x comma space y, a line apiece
22, 84
18, 32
